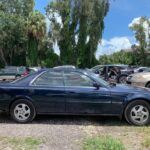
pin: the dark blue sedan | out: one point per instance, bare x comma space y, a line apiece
73, 92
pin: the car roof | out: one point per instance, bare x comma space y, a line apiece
109, 65
67, 70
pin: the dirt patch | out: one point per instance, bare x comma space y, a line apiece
68, 132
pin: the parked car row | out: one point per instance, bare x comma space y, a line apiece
116, 73
124, 74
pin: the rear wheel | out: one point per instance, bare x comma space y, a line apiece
22, 111
138, 113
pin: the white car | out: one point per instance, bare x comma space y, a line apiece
139, 79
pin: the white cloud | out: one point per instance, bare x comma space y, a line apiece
134, 21
146, 26
113, 45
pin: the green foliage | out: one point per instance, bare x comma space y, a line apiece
36, 27
24, 41
27, 143
103, 143
121, 57
80, 30
142, 38
13, 39
46, 55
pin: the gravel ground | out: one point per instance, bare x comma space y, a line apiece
68, 132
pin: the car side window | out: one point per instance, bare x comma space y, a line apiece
77, 79
50, 78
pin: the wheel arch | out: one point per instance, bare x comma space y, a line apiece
19, 98
133, 100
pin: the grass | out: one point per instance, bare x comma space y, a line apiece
27, 143
146, 142
103, 143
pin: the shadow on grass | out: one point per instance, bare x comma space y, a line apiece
70, 120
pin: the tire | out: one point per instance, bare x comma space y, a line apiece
22, 111
122, 79
138, 113
148, 85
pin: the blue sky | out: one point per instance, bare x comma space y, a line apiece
116, 34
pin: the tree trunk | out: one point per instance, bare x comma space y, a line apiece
3, 57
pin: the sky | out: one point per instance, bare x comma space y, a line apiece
117, 34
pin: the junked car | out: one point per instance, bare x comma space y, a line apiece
113, 72
73, 92
140, 79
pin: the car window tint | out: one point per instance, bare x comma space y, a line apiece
50, 79
77, 79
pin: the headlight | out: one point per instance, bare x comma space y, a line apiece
129, 78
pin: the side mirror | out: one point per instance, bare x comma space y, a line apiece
96, 85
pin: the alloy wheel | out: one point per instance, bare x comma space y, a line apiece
22, 112
139, 114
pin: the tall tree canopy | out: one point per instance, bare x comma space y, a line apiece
141, 29
77, 26
13, 15
36, 27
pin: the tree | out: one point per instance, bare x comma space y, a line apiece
36, 27
13, 37
77, 26
121, 57
46, 55
142, 35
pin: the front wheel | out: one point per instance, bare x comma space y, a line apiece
22, 111
138, 113
122, 79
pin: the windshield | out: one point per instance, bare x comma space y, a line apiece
97, 78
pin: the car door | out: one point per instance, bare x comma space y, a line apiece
83, 97
49, 93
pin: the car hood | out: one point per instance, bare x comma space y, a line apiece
129, 89
142, 74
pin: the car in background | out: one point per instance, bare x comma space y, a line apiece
139, 69
140, 79
11, 73
114, 73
